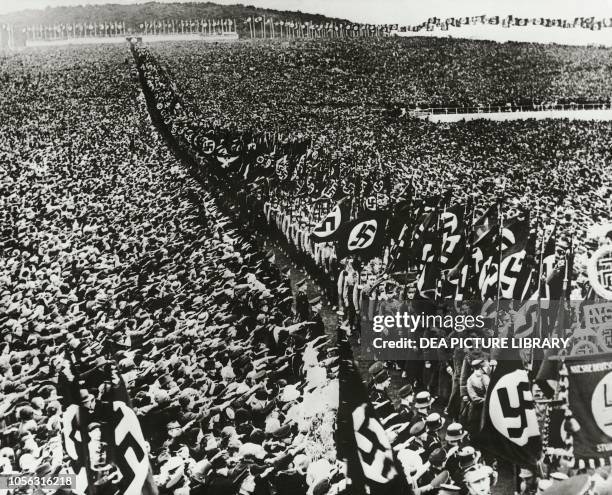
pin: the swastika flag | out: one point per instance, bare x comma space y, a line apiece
360, 437
363, 237
590, 399
510, 426
327, 229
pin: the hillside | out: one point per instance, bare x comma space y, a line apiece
133, 15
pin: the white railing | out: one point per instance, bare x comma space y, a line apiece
423, 112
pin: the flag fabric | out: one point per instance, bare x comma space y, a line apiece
128, 448
510, 428
590, 401
425, 217
327, 229
548, 292
548, 373
75, 431
109, 434
402, 213
485, 251
429, 244
455, 282
363, 237
361, 440
517, 265
453, 236
527, 317
510, 267
483, 224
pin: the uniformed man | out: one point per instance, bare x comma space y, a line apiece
437, 460
434, 424
422, 406
405, 414
416, 442
454, 440
379, 397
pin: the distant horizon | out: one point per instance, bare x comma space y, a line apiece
379, 12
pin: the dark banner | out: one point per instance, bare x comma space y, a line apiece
590, 399
510, 426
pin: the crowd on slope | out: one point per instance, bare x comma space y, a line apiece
331, 93
113, 254
559, 175
387, 72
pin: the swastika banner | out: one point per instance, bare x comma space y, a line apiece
327, 229
362, 237
510, 425
590, 399
360, 437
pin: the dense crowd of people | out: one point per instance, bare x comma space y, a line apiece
559, 170
113, 255
289, 86
334, 91
457, 382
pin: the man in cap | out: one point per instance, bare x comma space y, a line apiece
406, 396
178, 435
405, 414
422, 406
454, 440
416, 442
378, 392
437, 460
478, 480
302, 307
477, 385
316, 328
434, 423
468, 459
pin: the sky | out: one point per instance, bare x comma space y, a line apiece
386, 11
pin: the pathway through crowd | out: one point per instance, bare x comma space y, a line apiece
298, 273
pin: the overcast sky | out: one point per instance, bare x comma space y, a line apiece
388, 11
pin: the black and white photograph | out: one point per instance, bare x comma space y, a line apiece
306, 247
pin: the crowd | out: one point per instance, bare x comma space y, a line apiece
546, 165
113, 255
290, 87
335, 90
112, 252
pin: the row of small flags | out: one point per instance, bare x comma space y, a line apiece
291, 27
114, 28
322, 26
593, 23
200, 25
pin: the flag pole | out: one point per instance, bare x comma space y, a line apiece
543, 242
471, 246
440, 226
500, 214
